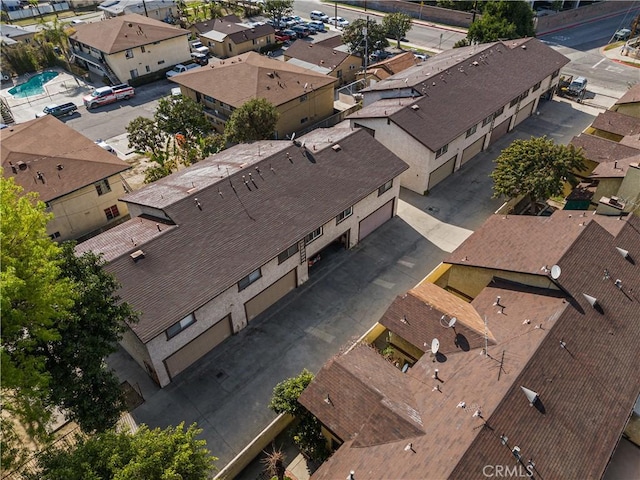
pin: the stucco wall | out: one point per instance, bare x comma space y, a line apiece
631, 109
157, 57
82, 211
584, 13
317, 107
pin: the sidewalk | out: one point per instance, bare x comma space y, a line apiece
616, 55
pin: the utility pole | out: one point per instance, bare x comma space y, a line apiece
146, 14
365, 32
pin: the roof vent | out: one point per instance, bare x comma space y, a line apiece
137, 255
22, 165
336, 147
415, 107
270, 74
475, 64
59, 166
592, 300
524, 47
530, 394
623, 252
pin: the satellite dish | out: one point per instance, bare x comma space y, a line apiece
555, 272
435, 346
452, 322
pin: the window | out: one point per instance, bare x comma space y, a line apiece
385, 187
287, 253
304, 120
177, 327
230, 47
102, 186
498, 112
514, 102
487, 120
209, 99
142, 49
347, 213
536, 86
339, 73
160, 62
133, 73
472, 130
442, 151
304, 97
112, 212
313, 235
555, 74
53, 236
524, 95
148, 68
128, 53
249, 279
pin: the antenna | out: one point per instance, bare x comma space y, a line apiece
555, 272
435, 346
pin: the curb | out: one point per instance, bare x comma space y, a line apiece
566, 27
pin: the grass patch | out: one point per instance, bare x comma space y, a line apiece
614, 45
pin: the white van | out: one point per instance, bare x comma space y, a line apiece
318, 15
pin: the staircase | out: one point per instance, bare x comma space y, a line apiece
7, 116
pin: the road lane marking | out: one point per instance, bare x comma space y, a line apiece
596, 65
384, 284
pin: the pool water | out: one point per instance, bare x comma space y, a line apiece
33, 86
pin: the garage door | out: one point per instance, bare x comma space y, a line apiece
524, 113
270, 295
498, 132
472, 150
442, 172
376, 219
198, 347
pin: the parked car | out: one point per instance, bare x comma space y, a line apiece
289, 21
180, 68
104, 95
421, 56
198, 47
318, 15
622, 34
338, 22
282, 37
316, 25
379, 55
58, 110
280, 24
290, 33
312, 31
301, 32
200, 58
102, 144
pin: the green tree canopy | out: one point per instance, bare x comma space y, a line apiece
81, 382
180, 114
276, 9
255, 120
536, 168
353, 36
502, 20
286, 393
145, 136
396, 25
170, 454
33, 296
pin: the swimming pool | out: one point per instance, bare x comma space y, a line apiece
33, 86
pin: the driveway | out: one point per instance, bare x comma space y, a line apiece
228, 390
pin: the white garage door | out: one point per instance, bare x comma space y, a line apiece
198, 347
270, 295
376, 219
472, 150
442, 172
524, 113
499, 131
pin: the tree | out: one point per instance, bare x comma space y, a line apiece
353, 35
397, 25
276, 9
170, 454
502, 20
536, 168
255, 120
180, 114
33, 296
145, 136
81, 382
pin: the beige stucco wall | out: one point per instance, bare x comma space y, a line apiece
472, 280
82, 211
134, 347
228, 48
231, 301
348, 69
168, 52
631, 109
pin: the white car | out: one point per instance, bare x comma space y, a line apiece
338, 22
102, 144
318, 15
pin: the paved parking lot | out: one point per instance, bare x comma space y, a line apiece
227, 391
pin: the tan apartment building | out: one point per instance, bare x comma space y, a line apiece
218, 243
301, 96
324, 58
229, 36
440, 114
80, 182
129, 46
163, 10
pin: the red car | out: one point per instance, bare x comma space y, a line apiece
282, 37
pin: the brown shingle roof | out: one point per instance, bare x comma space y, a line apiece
239, 79
617, 123
331, 42
631, 96
616, 169
237, 232
598, 149
587, 385
316, 54
127, 31
396, 64
46, 143
466, 85
232, 27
